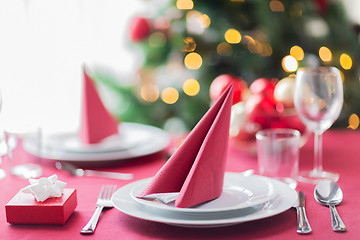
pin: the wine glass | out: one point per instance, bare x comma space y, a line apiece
318, 100
2, 147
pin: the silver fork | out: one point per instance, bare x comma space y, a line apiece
104, 201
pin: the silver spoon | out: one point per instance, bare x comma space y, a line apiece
329, 193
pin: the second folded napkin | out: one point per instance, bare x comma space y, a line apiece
96, 122
196, 170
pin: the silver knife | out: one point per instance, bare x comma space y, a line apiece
79, 172
303, 225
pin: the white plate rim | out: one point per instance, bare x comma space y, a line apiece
229, 178
161, 141
124, 203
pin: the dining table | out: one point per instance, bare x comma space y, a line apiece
341, 153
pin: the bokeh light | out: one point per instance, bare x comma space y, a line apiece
193, 61
345, 61
224, 49
204, 21
232, 36
354, 121
255, 47
149, 92
289, 64
191, 87
157, 39
266, 50
170, 95
325, 54
297, 52
190, 44
184, 4
277, 6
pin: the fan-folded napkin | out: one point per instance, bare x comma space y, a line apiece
196, 170
96, 122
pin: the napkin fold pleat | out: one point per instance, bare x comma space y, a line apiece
96, 122
197, 168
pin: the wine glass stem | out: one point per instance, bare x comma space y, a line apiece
318, 168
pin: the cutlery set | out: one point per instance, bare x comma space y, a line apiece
327, 193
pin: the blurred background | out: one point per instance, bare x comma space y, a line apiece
154, 61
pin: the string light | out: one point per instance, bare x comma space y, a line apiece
204, 21
353, 121
184, 4
170, 95
149, 93
232, 36
297, 52
190, 44
277, 6
191, 87
289, 64
345, 61
193, 61
325, 54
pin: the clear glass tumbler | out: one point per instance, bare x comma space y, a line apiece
278, 154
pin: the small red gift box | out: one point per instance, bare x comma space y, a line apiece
24, 209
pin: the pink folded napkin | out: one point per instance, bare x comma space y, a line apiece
96, 122
197, 168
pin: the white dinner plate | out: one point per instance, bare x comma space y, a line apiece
285, 199
134, 140
130, 134
239, 192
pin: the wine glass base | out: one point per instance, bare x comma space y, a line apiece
316, 176
29, 170
2, 174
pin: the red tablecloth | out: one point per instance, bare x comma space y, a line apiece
341, 154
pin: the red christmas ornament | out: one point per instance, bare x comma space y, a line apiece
322, 6
221, 82
260, 109
264, 87
139, 29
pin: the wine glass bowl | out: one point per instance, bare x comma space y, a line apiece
318, 100
2, 144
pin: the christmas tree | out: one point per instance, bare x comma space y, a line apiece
190, 43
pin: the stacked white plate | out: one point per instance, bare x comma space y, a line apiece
244, 198
133, 140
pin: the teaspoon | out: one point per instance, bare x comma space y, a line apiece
329, 193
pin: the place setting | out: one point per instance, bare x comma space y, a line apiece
100, 137
192, 188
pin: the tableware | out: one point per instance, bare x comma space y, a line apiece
79, 172
286, 197
142, 140
302, 220
3, 147
329, 193
22, 164
104, 201
318, 100
278, 154
239, 192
